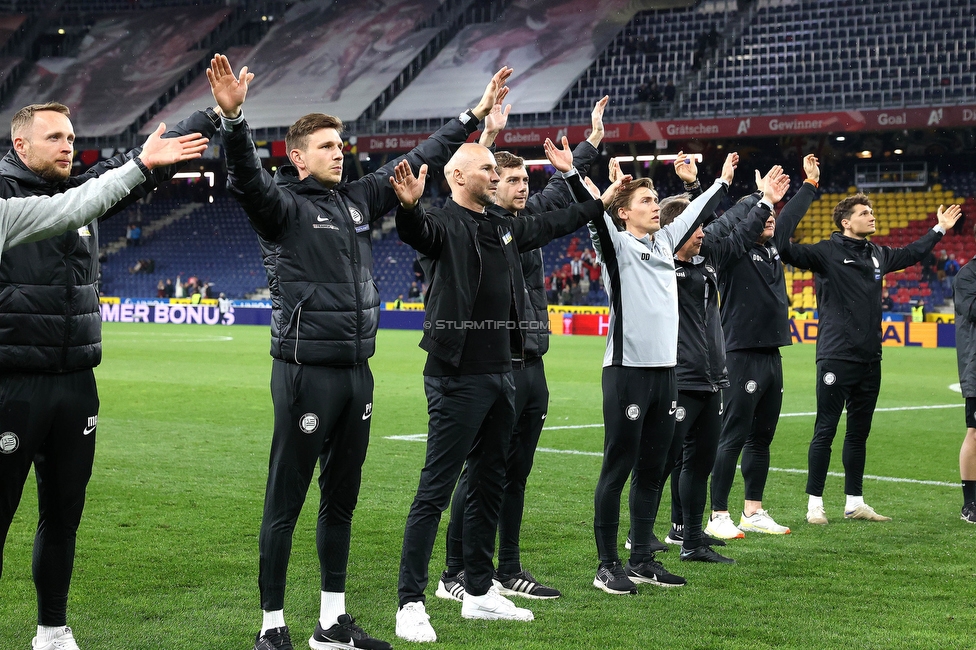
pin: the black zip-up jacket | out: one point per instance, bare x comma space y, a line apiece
848, 274
317, 248
755, 307
964, 299
557, 194
49, 316
448, 238
701, 342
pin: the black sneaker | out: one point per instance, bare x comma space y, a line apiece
677, 537
969, 513
451, 587
612, 579
653, 572
345, 634
523, 584
657, 546
277, 638
704, 553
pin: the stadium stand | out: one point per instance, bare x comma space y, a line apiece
841, 54
126, 62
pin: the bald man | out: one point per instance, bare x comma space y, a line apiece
475, 315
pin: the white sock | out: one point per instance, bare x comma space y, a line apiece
46, 633
272, 620
853, 502
332, 607
814, 502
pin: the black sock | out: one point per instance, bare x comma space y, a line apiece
969, 491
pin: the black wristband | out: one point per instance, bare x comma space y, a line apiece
693, 186
142, 166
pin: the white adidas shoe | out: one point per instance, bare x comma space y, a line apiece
64, 641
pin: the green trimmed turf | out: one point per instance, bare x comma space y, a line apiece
167, 553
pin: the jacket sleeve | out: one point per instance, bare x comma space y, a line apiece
685, 224
964, 294
726, 248
420, 231
804, 256
537, 230
375, 191
896, 259
39, 217
723, 226
206, 123
263, 201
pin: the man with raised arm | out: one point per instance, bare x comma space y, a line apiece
639, 390
475, 315
314, 231
755, 318
531, 390
849, 272
50, 330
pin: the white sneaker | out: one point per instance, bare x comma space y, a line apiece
817, 515
864, 511
720, 525
413, 624
761, 522
492, 607
64, 641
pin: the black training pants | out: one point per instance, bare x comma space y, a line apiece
531, 405
638, 415
839, 384
321, 413
471, 420
752, 406
48, 420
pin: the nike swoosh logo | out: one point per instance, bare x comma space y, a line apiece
87, 431
849, 261
321, 218
672, 411
366, 416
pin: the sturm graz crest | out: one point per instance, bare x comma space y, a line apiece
633, 412
357, 216
679, 415
9, 442
829, 378
308, 423
751, 386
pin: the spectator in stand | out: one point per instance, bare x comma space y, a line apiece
584, 285
575, 293
136, 233
642, 97
398, 303
169, 289
951, 268
178, 287
565, 296
670, 91
160, 289
928, 273
887, 304
576, 267
414, 293
654, 96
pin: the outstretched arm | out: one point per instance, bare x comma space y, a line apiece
678, 231
39, 217
896, 259
804, 256
414, 225
745, 233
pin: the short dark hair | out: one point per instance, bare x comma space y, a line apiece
624, 196
25, 116
672, 206
506, 160
845, 208
297, 136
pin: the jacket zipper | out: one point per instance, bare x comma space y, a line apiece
298, 328
355, 269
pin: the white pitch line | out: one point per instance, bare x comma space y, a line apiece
422, 437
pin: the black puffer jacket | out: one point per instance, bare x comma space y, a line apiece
317, 247
49, 315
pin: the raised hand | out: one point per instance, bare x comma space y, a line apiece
611, 192
228, 90
408, 188
811, 167
596, 122
776, 185
495, 122
948, 218
728, 169
686, 168
159, 151
561, 159
591, 186
495, 93
614, 172
762, 181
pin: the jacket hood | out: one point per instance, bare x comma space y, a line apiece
849, 242
12, 166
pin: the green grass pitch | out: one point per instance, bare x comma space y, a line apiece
167, 552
